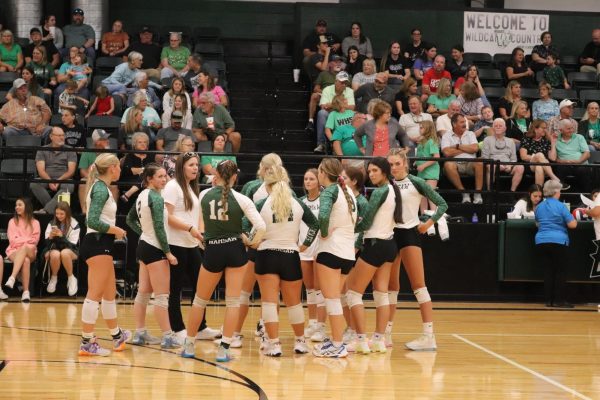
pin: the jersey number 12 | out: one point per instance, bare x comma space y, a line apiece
217, 212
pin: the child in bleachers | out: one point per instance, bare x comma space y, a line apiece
81, 71
103, 103
429, 146
553, 74
68, 100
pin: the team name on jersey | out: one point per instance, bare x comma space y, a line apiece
222, 241
404, 185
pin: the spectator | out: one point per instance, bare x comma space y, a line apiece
74, 133
472, 75
209, 162
512, 94
461, 143
525, 207
184, 144
44, 72
354, 61
456, 65
207, 84
590, 56
342, 138
431, 78
470, 102
519, 122
439, 101
541, 51
51, 33
379, 89
410, 122
150, 116
68, 99
33, 88
142, 84
68, 70
150, 51
444, 122
499, 148
545, 107
368, 74
177, 87
166, 137
103, 104
358, 39
80, 35
319, 61
338, 116
25, 114
518, 70
565, 111
23, 237
11, 55
324, 79
53, 164
133, 123
116, 42
554, 74
482, 127
425, 62
124, 74
132, 165
571, 151
535, 148
174, 57
415, 49
313, 45
383, 133
552, 240
211, 119
589, 127
196, 65
62, 237
50, 57
407, 90
394, 63
429, 170
180, 105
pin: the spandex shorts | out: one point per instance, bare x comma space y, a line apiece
377, 252
335, 262
406, 237
224, 253
149, 254
285, 263
96, 244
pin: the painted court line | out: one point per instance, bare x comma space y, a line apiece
523, 368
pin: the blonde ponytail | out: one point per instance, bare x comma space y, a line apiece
277, 180
97, 169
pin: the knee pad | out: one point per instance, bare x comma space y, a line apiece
393, 296
269, 312
296, 314
109, 309
311, 297
244, 298
344, 300
198, 302
232, 302
142, 298
161, 300
381, 299
422, 295
353, 298
89, 311
334, 307
319, 299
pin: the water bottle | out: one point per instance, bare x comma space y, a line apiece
475, 218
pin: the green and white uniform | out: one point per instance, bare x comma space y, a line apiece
336, 223
310, 253
102, 208
378, 220
412, 190
255, 190
149, 219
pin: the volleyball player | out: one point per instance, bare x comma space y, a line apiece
222, 210
148, 219
408, 242
97, 251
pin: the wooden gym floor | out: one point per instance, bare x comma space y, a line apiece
485, 351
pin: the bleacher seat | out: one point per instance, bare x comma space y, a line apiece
588, 95
3, 94
106, 65
210, 50
205, 32
530, 93
561, 94
109, 123
578, 113
582, 80
569, 63
56, 119
18, 165
97, 81
479, 59
7, 79
490, 77
500, 60
594, 157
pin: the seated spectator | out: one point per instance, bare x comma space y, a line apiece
142, 84
432, 77
482, 128
437, 103
184, 144
132, 165
342, 139
78, 71
43, 71
11, 55
470, 102
545, 107
315, 44
554, 74
443, 123
52, 33
133, 123
590, 56
535, 148
75, 134
518, 70
408, 89
68, 99
124, 74
53, 164
565, 111
415, 48
429, 170
541, 51
33, 88
512, 94
211, 119
324, 79
354, 61
519, 122
23, 237
500, 148
338, 116
379, 89
571, 151
180, 105
177, 87
410, 122
456, 65
367, 75
472, 75
24, 114
383, 133
79, 35
166, 137
196, 65
116, 42
62, 238
50, 55
356, 38
209, 162
525, 207
207, 84
461, 143
425, 62
150, 52
150, 116
318, 61
394, 63
103, 104
174, 57
589, 127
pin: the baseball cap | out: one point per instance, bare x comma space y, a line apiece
145, 29
35, 30
342, 76
99, 134
321, 22
18, 83
335, 57
323, 39
77, 11
176, 115
566, 103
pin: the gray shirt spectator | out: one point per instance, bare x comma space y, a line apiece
80, 35
167, 137
376, 90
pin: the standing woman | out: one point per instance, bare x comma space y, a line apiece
408, 242
222, 210
335, 254
97, 251
148, 220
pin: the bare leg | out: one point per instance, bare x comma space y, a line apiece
159, 276
451, 170
329, 279
67, 256
291, 293
145, 288
269, 293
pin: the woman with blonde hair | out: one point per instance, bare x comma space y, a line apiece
470, 102
511, 94
409, 88
519, 121
97, 249
535, 148
545, 107
438, 102
133, 124
183, 144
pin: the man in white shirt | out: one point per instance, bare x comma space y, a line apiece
443, 124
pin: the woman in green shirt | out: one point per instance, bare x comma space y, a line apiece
209, 162
589, 127
11, 55
44, 72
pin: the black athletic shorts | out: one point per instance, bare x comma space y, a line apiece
407, 237
96, 244
377, 252
251, 254
224, 253
335, 262
285, 263
149, 254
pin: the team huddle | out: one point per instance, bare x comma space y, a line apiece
333, 241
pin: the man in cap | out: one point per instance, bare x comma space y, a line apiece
25, 114
379, 89
312, 43
150, 52
166, 137
566, 112
80, 35
52, 56
325, 79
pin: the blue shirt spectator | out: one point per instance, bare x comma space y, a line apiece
552, 218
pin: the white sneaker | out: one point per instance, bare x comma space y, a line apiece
388, 340
466, 198
208, 334
378, 346
360, 347
348, 335
260, 328
310, 329
319, 334
25, 297
51, 288
422, 343
320, 149
181, 335
3, 296
477, 199
71, 285
272, 349
300, 347
10, 282
236, 342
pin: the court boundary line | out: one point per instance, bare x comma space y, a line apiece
3, 364
523, 368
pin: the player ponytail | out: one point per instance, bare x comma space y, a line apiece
332, 168
226, 169
386, 170
277, 180
97, 169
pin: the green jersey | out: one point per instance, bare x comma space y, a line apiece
149, 219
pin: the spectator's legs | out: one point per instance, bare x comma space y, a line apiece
451, 170
11, 131
236, 141
306, 65
588, 68
40, 191
478, 168
312, 105
517, 176
166, 73
54, 257
115, 88
153, 74
50, 205
321, 120
90, 53
67, 257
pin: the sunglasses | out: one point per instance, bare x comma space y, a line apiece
189, 154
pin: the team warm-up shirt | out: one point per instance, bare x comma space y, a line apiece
412, 190
378, 220
336, 223
255, 190
102, 208
149, 219
313, 206
173, 195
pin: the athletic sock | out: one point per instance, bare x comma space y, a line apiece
225, 342
168, 333
116, 333
312, 322
236, 334
361, 336
337, 344
86, 337
428, 328
388, 327
376, 336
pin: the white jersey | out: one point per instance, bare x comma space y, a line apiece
173, 195
260, 194
337, 223
284, 234
412, 190
596, 203
520, 211
144, 205
310, 253
380, 214
108, 215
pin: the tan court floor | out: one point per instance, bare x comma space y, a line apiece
486, 351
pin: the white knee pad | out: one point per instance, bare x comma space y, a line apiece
89, 311
334, 307
161, 300
353, 298
422, 295
142, 298
310, 297
344, 300
232, 302
109, 309
319, 299
269, 312
244, 298
296, 314
198, 302
393, 296
381, 299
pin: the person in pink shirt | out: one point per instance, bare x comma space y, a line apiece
207, 84
23, 237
